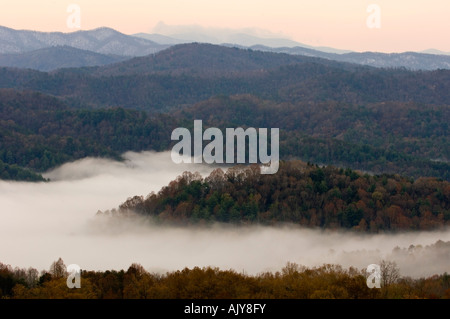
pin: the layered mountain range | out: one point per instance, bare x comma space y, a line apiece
380, 120
32, 49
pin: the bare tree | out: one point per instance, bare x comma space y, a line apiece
32, 277
390, 273
58, 269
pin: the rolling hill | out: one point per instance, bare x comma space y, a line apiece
377, 120
40, 131
209, 60
190, 73
302, 194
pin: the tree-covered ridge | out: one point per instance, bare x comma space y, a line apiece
376, 120
208, 60
410, 127
191, 73
302, 194
389, 137
39, 131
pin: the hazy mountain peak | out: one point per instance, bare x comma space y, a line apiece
102, 33
214, 35
435, 51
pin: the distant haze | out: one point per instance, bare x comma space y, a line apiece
41, 222
413, 25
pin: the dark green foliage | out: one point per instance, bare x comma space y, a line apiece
14, 172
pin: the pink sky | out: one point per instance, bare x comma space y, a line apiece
412, 25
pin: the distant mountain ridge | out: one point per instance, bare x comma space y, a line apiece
409, 60
434, 51
52, 58
101, 40
205, 58
109, 42
242, 37
236, 39
189, 73
346, 114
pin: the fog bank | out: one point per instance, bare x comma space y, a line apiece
41, 222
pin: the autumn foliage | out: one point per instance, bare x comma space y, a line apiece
292, 282
300, 193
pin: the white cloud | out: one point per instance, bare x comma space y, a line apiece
44, 221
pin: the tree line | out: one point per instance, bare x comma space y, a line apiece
329, 281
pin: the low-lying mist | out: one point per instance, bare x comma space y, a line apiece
41, 222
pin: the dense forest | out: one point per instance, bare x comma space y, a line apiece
329, 281
388, 137
39, 132
300, 193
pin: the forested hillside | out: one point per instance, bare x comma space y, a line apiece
302, 194
391, 137
40, 132
376, 120
170, 80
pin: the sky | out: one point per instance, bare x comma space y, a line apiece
42, 222
358, 25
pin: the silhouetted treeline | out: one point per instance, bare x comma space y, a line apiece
302, 194
328, 281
